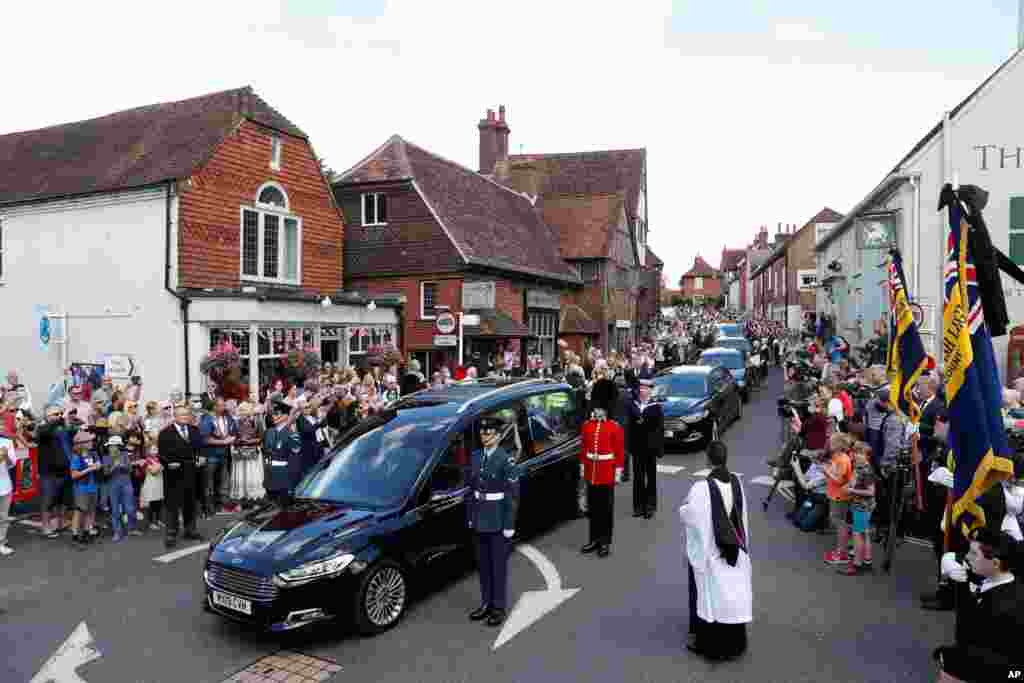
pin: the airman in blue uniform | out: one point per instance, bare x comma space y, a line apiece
492, 505
282, 449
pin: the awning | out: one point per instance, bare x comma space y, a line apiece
495, 324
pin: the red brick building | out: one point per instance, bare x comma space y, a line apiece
702, 283
597, 202
448, 239
214, 210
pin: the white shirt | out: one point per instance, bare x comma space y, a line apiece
6, 485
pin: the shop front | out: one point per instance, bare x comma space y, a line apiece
264, 331
499, 342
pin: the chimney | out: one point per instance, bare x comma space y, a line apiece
493, 140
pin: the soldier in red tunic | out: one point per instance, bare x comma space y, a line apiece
601, 462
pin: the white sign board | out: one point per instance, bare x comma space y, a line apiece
477, 295
446, 340
623, 324
806, 279
471, 320
118, 366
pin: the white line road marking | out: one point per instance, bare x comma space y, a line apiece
533, 605
670, 469
706, 471
77, 650
184, 552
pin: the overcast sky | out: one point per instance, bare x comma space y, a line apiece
751, 112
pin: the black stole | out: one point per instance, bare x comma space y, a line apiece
730, 536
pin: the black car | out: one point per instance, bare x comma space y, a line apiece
389, 501
698, 402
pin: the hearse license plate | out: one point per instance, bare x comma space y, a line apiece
231, 602
669, 434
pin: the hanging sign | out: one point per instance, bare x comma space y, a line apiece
446, 340
118, 366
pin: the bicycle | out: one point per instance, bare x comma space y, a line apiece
900, 495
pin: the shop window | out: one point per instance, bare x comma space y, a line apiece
362, 339
1017, 230
428, 300
552, 419
375, 209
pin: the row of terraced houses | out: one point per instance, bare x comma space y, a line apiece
140, 239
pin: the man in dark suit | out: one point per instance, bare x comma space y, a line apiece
177, 444
645, 439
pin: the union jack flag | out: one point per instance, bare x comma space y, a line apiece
973, 390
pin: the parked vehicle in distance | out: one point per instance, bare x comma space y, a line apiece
698, 401
388, 502
733, 360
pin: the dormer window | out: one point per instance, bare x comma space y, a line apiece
375, 208
275, 153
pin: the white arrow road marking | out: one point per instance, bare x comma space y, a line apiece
77, 650
184, 552
533, 605
670, 469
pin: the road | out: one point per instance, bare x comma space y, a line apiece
626, 622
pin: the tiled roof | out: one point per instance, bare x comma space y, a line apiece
127, 149
701, 268
490, 225
827, 215
575, 320
584, 222
602, 172
652, 260
731, 258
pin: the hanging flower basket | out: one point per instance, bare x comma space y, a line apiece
222, 358
301, 364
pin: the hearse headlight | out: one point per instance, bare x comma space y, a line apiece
314, 570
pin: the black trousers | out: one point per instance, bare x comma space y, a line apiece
492, 551
693, 598
179, 497
202, 485
645, 482
215, 475
601, 510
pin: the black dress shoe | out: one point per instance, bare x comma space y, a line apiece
193, 536
604, 551
496, 617
638, 513
480, 612
590, 547
648, 515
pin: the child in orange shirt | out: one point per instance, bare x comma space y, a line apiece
838, 474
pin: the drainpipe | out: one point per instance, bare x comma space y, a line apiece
915, 182
183, 300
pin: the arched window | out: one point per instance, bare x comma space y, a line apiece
272, 195
271, 238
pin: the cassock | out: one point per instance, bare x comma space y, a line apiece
724, 593
990, 621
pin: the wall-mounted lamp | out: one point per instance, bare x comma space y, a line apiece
371, 306
326, 302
